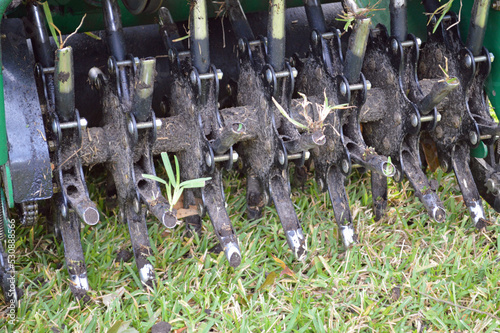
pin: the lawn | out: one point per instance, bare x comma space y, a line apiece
406, 274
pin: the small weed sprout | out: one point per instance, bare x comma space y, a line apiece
323, 112
448, 79
174, 186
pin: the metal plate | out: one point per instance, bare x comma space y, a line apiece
28, 150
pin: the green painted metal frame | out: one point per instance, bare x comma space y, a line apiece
67, 14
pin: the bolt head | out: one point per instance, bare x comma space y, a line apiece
137, 206
130, 127
241, 45
235, 157
54, 126
394, 46
208, 159
158, 124
414, 120
83, 123
468, 61
281, 157
192, 77
269, 75
490, 184
314, 37
64, 211
473, 137
345, 166
343, 88
111, 68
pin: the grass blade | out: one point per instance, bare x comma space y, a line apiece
50, 21
168, 168
194, 183
156, 178
283, 112
177, 170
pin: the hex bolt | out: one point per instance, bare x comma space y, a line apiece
225, 157
297, 156
414, 120
72, 124
492, 186
52, 146
360, 86
286, 73
48, 70
137, 206
281, 157
483, 58
473, 137
123, 63
208, 159
208, 76
327, 35
345, 166
343, 88
409, 43
257, 42
426, 119
468, 61
148, 124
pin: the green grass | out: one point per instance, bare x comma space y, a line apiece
407, 274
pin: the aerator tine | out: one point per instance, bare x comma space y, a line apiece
272, 137
465, 115
194, 97
73, 202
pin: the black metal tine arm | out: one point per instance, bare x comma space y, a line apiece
239, 20
315, 15
399, 19
460, 158
67, 127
